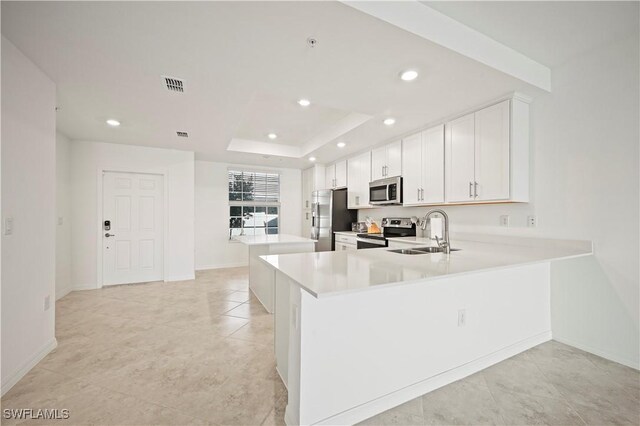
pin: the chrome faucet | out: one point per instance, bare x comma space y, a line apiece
445, 243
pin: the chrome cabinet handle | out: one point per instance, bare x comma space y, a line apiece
306, 203
357, 200
470, 189
475, 190
109, 235
418, 194
307, 215
421, 194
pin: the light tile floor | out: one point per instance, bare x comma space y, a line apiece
200, 352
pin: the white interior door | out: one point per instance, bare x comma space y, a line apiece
132, 249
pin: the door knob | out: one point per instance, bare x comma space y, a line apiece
109, 235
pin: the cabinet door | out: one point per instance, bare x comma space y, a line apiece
460, 159
394, 159
307, 188
433, 165
378, 163
341, 174
306, 224
329, 176
353, 182
412, 166
364, 179
492, 152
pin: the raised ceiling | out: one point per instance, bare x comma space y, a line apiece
245, 64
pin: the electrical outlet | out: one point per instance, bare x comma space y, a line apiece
60, 220
47, 302
8, 226
504, 220
531, 221
462, 317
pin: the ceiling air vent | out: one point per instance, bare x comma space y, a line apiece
174, 84
182, 134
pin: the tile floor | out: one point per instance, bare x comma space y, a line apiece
199, 352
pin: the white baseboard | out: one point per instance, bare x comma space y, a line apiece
85, 287
60, 293
221, 266
384, 403
9, 380
635, 364
186, 277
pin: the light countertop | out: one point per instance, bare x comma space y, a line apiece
331, 273
253, 240
350, 233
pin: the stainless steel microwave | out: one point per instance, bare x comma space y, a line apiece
386, 191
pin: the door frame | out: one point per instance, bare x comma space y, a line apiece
100, 185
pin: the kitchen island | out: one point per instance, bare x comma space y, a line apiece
261, 276
359, 332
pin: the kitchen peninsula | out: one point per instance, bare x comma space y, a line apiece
359, 332
261, 277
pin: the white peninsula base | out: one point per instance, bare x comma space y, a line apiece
261, 275
358, 333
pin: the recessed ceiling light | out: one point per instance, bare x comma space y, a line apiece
408, 75
389, 121
304, 102
113, 123
341, 144
272, 136
312, 159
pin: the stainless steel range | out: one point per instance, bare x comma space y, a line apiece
391, 227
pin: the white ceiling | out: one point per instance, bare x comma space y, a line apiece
246, 63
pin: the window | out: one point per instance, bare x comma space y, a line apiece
254, 203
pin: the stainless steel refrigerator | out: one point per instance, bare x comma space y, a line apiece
329, 214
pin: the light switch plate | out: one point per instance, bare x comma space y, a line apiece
8, 226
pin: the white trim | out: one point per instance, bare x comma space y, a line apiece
180, 278
82, 287
222, 265
12, 379
635, 364
384, 403
165, 221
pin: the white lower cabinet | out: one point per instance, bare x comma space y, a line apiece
346, 242
358, 177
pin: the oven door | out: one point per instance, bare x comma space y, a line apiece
367, 243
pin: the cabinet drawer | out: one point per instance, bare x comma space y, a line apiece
346, 239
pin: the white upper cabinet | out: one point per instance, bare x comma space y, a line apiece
433, 165
412, 166
341, 174
358, 177
423, 167
492, 153
487, 154
336, 175
460, 159
386, 161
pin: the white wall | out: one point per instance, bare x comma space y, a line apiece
28, 196
213, 249
63, 208
584, 186
88, 159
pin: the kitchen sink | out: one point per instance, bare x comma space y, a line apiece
407, 251
420, 250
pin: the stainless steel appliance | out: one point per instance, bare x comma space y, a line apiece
391, 227
329, 214
386, 191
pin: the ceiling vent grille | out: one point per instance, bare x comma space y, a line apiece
174, 84
182, 134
